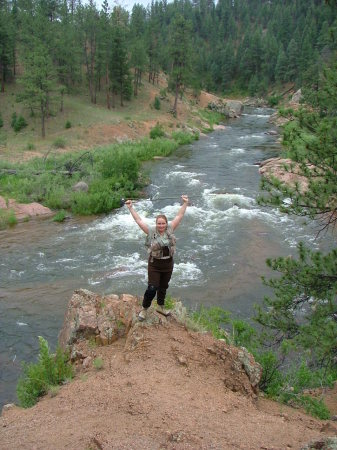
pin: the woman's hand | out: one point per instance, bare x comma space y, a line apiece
184, 198
128, 203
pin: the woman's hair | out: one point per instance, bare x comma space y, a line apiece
162, 216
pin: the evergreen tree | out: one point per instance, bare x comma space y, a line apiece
304, 310
179, 52
38, 82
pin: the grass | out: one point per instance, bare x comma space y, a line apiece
44, 376
7, 219
98, 363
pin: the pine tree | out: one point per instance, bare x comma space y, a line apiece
179, 51
38, 82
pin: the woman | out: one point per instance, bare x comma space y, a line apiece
161, 247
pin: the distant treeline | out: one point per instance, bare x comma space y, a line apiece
231, 45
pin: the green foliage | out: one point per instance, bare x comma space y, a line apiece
114, 172
304, 308
7, 218
1, 121
60, 216
274, 100
213, 319
157, 131
183, 138
17, 123
50, 370
67, 124
286, 385
98, 363
30, 146
156, 103
59, 143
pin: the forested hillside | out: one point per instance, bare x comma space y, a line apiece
56, 46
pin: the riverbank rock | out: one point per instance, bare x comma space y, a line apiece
229, 108
278, 120
276, 167
25, 210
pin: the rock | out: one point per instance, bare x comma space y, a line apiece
252, 368
277, 168
271, 133
104, 319
23, 210
7, 407
296, 98
234, 108
81, 186
229, 108
87, 362
278, 120
328, 428
325, 443
334, 417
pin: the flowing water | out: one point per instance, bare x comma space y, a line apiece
223, 242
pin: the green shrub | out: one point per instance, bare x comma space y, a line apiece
59, 143
1, 121
274, 100
183, 138
60, 216
98, 363
157, 131
213, 320
156, 103
30, 146
67, 124
163, 93
14, 118
7, 219
50, 370
17, 123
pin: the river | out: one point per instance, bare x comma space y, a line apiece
223, 243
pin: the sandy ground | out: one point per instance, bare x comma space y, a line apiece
165, 392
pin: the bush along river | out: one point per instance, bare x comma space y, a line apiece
223, 243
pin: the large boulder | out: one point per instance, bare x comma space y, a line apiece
229, 108
102, 319
280, 168
24, 210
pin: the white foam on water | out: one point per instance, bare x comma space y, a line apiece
16, 273
183, 175
259, 115
258, 136
65, 260
21, 324
41, 254
122, 266
237, 150
226, 199
184, 273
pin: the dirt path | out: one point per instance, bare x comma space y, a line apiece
164, 391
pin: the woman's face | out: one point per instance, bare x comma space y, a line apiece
161, 224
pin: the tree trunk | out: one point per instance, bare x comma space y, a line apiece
122, 93
135, 83
107, 88
61, 107
176, 98
43, 129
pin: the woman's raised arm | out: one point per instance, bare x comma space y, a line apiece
142, 225
176, 221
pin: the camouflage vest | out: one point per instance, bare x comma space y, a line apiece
155, 248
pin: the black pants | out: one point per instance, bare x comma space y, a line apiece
159, 275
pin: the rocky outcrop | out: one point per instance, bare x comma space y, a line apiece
97, 320
229, 108
24, 210
102, 319
277, 167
